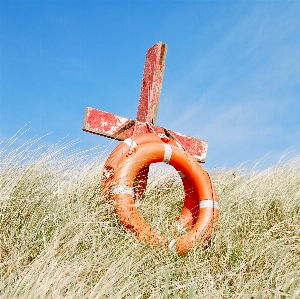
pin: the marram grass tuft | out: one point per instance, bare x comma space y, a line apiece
60, 239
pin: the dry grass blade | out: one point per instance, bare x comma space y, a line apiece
60, 240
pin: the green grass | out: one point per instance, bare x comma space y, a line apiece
59, 239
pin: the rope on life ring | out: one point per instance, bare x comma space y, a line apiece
123, 194
190, 210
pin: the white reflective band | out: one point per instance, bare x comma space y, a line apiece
180, 228
130, 142
181, 174
209, 203
168, 153
172, 244
122, 189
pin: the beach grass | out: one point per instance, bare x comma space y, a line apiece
60, 239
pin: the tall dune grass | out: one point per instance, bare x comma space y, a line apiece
60, 239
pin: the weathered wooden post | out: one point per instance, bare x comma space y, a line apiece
116, 127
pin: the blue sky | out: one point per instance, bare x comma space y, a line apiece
232, 72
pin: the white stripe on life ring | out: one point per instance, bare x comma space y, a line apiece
209, 203
130, 142
120, 189
172, 244
168, 153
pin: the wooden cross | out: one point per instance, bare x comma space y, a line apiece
119, 128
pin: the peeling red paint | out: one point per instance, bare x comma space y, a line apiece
119, 128
152, 83
196, 147
104, 123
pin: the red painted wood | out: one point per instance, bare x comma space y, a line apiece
119, 128
140, 127
196, 147
105, 123
152, 83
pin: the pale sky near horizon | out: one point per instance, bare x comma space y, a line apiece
232, 72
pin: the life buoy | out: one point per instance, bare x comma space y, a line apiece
123, 194
190, 210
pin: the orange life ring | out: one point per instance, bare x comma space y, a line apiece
123, 194
190, 210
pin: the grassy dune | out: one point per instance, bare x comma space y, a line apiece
60, 240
